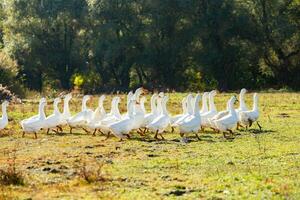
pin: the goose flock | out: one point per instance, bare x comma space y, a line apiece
158, 121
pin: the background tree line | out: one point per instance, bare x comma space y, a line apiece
103, 45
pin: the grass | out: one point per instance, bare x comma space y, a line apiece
255, 165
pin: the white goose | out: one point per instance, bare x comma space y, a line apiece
248, 117
192, 124
112, 117
4, 118
122, 128
219, 116
97, 115
54, 120
35, 123
42, 100
212, 110
160, 124
80, 119
229, 121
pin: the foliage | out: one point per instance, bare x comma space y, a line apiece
9, 81
10, 175
231, 43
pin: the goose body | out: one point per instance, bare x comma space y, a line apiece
230, 120
112, 117
160, 124
80, 119
189, 111
55, 119
33, 118
97, 115
193, 122
248, 117
33, 125
4, 118
122, 128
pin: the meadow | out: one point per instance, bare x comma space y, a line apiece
254, 165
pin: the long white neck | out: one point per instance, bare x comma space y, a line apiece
83, 106
196, 106
159, 106
143, 107
4, 113
101, 106
164, 107
42, 114
242, 102
204, 104
184, 106
212, 106
116, 111
255, 103
66, 111
231, 107
189, 104
56, 110
152, 102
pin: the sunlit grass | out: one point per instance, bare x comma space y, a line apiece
253, 165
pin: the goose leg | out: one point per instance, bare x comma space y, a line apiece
23, 135
48, 131
94, 133
71, 129
155, 137
100, 132
60, 128
108, 134
35, 135
197, 136
144, 132
162, 137
86, 130
181, 134
173, 129
259, 125
127, 135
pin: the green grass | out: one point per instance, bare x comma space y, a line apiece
252, 166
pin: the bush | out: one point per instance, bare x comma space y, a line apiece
10, 175
89, 82
92, 173
9, 73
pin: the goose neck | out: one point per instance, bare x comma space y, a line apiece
66, 107
212, 105
4, 113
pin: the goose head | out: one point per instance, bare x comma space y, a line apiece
161, 94
243, 91
213, 93
43, 99
57, 101
68, 97
205, 95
